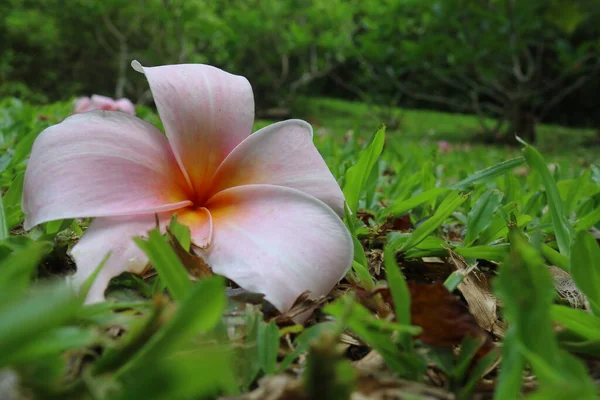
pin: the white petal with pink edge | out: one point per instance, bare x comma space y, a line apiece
101, 163
277, 241
206, 112
112, 235
281, 154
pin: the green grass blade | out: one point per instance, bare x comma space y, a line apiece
589, 220
200, 311
358, 174
585, 268
3, 223
489, 173
451, 203
27, 318
267, 344
401, 207
399, 291
166, 262
480, 216
555, 205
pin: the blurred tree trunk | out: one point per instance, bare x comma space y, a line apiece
522, 124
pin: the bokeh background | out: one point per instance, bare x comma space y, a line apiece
520, 62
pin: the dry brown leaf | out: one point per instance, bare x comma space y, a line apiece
476, 290
303, 304
371, 363
565, 286
444, 319
195, 264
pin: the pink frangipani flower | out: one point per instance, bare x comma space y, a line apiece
97, 102
263, 209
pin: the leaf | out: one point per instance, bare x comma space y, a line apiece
51, 343
3, 223
12, 201
489, 173
165, 261
267, 345
181, 233
585, 268
200, 311
478, 295
579, 332
45, 308
303, 341
399, 208
559, 220
358, 174
495, 253
328, 374
451, 203
444, 319
511, 371
17, 269
525, 287
369, 329
480, 216
399, 291
588, 220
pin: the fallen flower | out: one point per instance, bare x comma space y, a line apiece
97, 102
444, 146
263, 209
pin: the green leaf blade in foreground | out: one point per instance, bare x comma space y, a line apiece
358, 174
267, 344
526, 288
555, 205
480, 216
3, 223
451, 203
585, 268
489, 173
400, 292
166, 262
45, 308
199, 312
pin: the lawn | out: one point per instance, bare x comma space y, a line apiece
476, 271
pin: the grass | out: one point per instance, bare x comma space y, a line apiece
451, 286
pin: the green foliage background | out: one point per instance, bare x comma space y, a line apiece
501, 58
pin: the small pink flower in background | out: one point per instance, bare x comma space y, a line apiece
97, 102
263, 209
444, 146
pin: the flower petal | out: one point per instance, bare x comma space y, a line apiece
112, 235
281, 154
100, 102
101, 164
200, 223
277, 241
126, 106
206, 113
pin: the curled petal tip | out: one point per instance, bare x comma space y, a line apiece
135, 64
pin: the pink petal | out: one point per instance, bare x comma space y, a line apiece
103, 103
277, 241
112, 235
101, 164
82, 104
200, 223
126, 106
206, 113
281, 154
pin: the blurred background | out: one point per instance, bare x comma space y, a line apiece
512, 64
